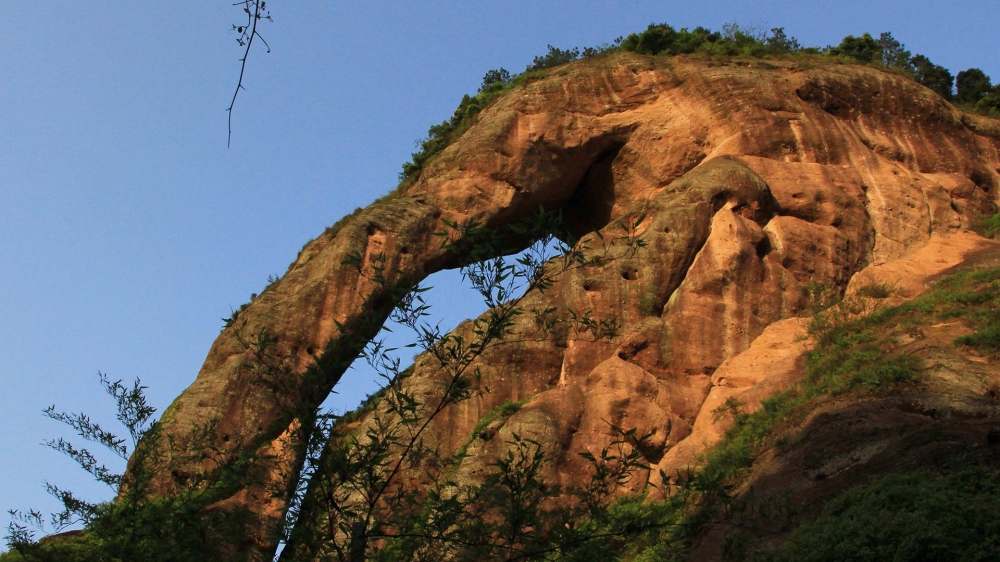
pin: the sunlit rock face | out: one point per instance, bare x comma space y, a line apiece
757, 185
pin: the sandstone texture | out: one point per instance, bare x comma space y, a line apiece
949, 419
761, 187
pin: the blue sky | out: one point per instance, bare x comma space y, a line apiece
128, 229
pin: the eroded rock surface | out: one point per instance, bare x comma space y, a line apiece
761, 187
950, 416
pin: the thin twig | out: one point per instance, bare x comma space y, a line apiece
252, 24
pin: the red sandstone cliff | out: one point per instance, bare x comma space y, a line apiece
755, 180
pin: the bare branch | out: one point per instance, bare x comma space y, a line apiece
247, 34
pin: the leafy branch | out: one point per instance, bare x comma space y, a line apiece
134, 413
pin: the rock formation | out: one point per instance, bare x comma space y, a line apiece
759, 185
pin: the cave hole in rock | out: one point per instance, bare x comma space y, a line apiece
590, 206
982, 179
763, 247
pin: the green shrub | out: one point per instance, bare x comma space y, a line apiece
890, 52
893, 53
919, 516
986, 339
990, 228
748, 436
818, 296
854, 352
990, 103
779, 42
862, 49
933, 76
503, 411
663, 39
972, 85
553, 58
60, 548
440, 136
876, 290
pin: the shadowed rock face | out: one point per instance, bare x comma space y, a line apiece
755, 182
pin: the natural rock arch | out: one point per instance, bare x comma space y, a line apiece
755, 182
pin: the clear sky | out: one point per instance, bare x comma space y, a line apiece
128, 229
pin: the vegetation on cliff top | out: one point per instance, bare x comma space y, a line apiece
972, 90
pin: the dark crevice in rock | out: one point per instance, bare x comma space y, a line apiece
763, 247
982, 179
589, 208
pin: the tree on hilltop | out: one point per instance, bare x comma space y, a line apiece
972, 85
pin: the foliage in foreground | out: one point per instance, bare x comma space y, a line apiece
513, 515
352, 501
135, 526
